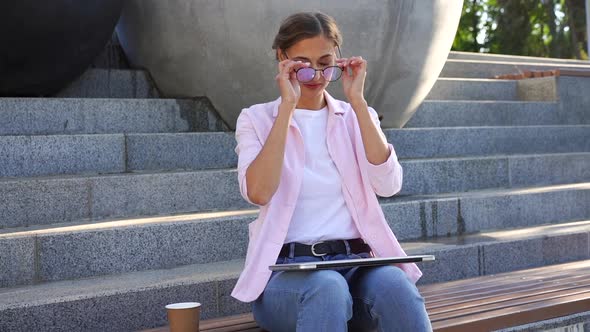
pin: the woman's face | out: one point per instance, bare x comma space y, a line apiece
320, 53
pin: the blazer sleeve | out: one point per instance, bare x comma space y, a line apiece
248, 147
386, 178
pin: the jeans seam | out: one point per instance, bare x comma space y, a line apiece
374, 315
283, 290
364, 300
299, 304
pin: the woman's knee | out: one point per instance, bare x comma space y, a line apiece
392, 273
327, 281
390, 280
329, 286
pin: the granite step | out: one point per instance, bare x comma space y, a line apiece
67, 198
137, 83
131, 83
486, 141
570, 91
446, 175
439, 113
473, 89
506, 250
111, 83
576, 322
135, 301
66, 116
47, 116
489, 69
456, 55
185, 151
81, 250
41, 155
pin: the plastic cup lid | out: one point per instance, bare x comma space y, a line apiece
183, 305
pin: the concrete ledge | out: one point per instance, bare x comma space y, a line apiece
577, 322
117, 153
535, 252
484, 113
115, 299
62, 251
486, 141
574, 98
46, 200
549, 169
17, 261
74, 198
473, 89
524, 207
72, 154
430, 176
570, 89
449, 215
181, 151
456, 55
125, 302
49, 116
111, 83
503, 251
66, 255
489, 69
163, 193
216, 150
538, 89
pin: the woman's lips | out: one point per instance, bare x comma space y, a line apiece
313, 86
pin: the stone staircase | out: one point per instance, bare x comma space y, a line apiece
115, 202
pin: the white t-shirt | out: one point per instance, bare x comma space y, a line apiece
319, 214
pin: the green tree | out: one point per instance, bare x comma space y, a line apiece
576, 19
469, 27
547, 28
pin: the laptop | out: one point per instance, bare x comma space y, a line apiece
358, 262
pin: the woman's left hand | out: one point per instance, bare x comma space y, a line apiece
353, 82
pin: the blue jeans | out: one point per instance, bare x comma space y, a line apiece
356, 299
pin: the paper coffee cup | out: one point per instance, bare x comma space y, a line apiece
184, 317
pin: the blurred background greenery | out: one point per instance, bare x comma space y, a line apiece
545, 28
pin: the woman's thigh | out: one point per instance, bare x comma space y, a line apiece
290, 296
384, 297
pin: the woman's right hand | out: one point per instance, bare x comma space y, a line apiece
287, 81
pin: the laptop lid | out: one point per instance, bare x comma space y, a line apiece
359, 262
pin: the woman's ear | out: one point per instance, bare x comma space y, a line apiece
281, 55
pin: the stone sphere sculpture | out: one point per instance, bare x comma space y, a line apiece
48, 44
222, 49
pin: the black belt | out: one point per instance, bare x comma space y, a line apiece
325, 248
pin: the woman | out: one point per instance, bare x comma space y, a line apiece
314, 164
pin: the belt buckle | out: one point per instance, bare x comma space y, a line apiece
313, 250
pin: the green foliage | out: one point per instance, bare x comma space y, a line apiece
469, 27
546, 28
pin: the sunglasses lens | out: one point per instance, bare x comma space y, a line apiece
329, 73
305, 74
332, 73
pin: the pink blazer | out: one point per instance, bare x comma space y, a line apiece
361, 181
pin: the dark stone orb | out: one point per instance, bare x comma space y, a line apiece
45, 45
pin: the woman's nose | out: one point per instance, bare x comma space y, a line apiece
318, 75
